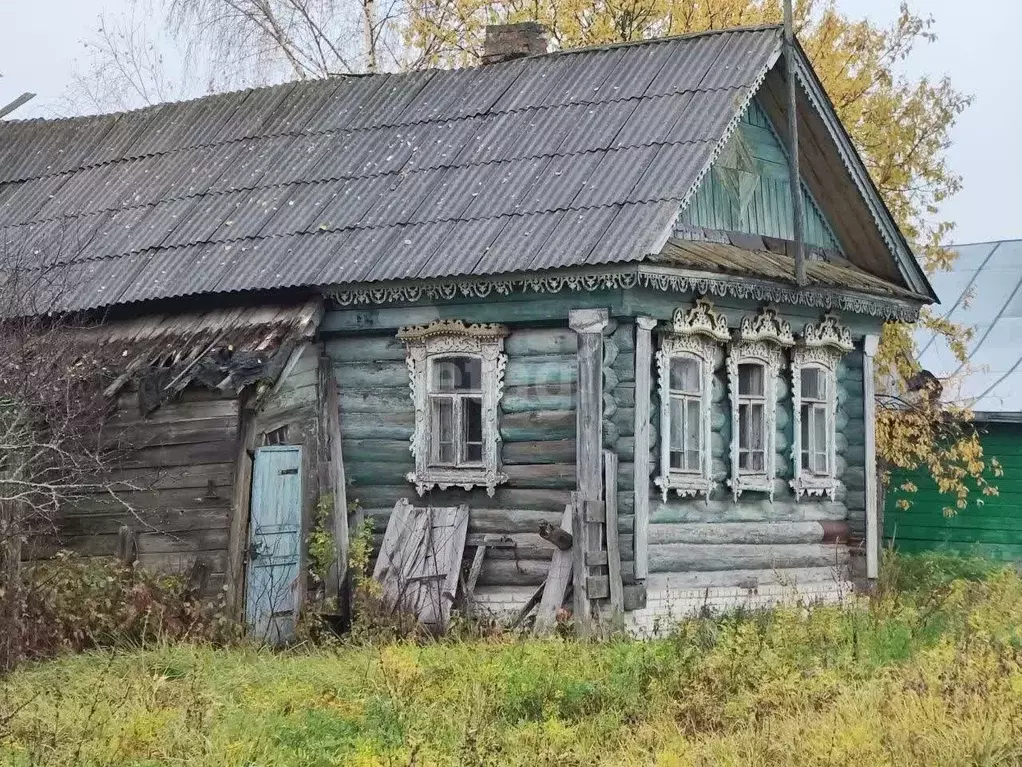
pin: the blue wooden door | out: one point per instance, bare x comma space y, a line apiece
274, 541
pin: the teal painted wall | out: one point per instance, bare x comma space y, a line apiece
992, 530
768, 211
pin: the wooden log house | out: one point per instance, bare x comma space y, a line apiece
552, 280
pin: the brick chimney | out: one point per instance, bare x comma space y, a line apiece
506, 42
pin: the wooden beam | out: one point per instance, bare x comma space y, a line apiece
237, 540
869, 350
330, 433
617, 597
589, 325
557, 580
643, 385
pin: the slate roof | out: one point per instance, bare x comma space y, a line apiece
574, 158
983, 290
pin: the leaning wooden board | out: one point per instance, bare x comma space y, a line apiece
420, 561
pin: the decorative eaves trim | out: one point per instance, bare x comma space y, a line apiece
622, 277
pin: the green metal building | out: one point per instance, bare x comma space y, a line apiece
984, 291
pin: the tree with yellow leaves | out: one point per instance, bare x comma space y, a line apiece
901, 127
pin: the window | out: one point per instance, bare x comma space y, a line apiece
456, 411
457, 378
754, 362
815, 427
814, 364
685, 362
752, 417
686, 394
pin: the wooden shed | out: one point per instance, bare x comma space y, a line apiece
553, 290
981, 292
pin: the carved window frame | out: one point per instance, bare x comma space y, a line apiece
760, 340
693, 334
447, 338
821, 346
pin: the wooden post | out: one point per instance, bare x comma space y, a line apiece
617, 592
561, 565
589, 324
330, 432
869, 350
237, 540
579, 574
643, 365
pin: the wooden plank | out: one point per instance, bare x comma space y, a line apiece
598, 586
579, 571
589, 325
641, 460
337, 484
241, 493
553, 451
617, 599
473, 577
873, 537
557, 581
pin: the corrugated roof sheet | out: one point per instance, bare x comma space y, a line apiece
574, 158
983, 292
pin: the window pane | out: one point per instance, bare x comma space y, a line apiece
820, 438
814, 384
442, 430
693, 423
758, 461
677, 459
685, 375
806, 434
750, 379
677, 423
472, 426
457, 374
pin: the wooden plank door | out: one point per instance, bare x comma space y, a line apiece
274, 543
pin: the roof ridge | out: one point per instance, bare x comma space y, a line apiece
335, 78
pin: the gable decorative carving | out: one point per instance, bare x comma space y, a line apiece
447, 337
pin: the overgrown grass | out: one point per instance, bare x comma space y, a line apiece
928, 676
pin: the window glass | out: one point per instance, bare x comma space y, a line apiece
820, 439
814, 384
457, 374
442, 428
685, 375
693, 423
750, 379
472, 422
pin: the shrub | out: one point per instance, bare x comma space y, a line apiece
71, 604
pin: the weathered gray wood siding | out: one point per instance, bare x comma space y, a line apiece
175, 488
537, 427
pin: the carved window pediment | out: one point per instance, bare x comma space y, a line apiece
685, 364
456, 374
814, 364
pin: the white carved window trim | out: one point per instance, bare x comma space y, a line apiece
447, 338
694, 334
822, 346
760, 340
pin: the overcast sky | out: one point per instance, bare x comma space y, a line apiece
977, 46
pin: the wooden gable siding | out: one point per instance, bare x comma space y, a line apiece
769, 210
993, 530
177, 480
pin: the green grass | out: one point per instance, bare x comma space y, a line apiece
927, 676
